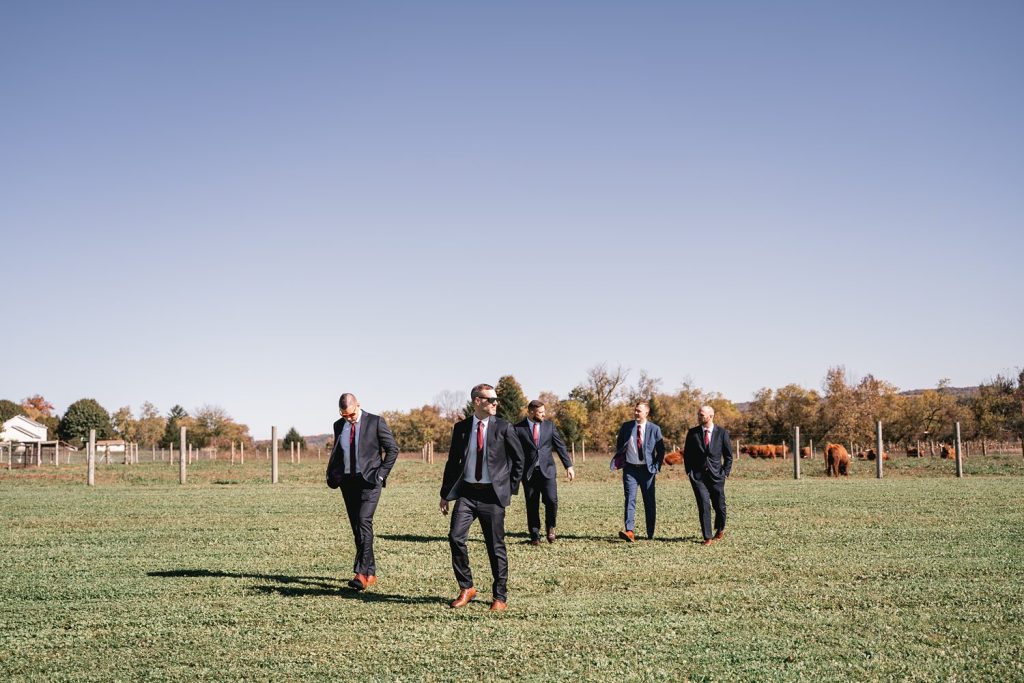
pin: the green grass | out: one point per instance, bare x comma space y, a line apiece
919, 576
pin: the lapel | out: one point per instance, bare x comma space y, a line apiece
492, 436
464, 434
360, 433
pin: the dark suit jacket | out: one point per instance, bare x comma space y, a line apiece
539, 457
654, 445
374, 438
716, 459
504, 459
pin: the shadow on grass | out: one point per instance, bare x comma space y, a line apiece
413, 538
301, 586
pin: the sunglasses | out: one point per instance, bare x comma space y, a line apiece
488, 399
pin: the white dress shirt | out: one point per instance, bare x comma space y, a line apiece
346, 434
471, 455
633, 457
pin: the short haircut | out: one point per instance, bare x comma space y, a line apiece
534, 404
477, 391
347, 400
645, 404
711, 408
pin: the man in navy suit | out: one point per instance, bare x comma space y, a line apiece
639, 452
357, 468
537, 438
484, 468
707, 457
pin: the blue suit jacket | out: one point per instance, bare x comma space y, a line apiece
539, 457
654, 445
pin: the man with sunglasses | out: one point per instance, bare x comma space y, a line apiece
484, 468
357, 468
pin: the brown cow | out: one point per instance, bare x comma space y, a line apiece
913, 452
871, 454
674, 458
947, 452
837, 460
805, 452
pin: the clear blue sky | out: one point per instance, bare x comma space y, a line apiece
260, 205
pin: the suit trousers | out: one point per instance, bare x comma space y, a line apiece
536, 487
709, 491
634, 477
479, 503
361, 499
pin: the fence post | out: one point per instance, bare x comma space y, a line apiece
91, 458
273, 459
796, 452
182, 455
878, 449
241, 452
959, 454
583, 444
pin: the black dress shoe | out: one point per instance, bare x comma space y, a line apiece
551, 535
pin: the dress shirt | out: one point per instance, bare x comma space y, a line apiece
346, 434
632, 456
471, 455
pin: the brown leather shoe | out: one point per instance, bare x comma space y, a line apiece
708, 541
720, 535
498, 606
551, 535
358, 582
465, 595
534, 541
370, 581
626, 536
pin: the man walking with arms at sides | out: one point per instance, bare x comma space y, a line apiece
639, 452
357, 468
707, 457
484, 468
540, 476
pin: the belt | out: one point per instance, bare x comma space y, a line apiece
479, 487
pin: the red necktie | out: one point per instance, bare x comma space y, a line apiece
640, 440
536, 434
352, 448
707, 438
479, 451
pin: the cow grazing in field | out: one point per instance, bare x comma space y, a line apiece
913, 452
674, 458
871, 454
947, 452
764, 451
805, 452
837, 460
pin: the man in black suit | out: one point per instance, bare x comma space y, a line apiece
540, 476
484, 468
357, 468
707, 457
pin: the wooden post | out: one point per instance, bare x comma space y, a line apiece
232, 452
583, 449
959, 454
810, 444
182, 456
796, 452
91, 458
273, 460
878, 452
318, 451
572, 458
241, 452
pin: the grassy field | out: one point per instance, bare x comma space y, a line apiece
919, 576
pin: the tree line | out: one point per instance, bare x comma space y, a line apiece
843, 410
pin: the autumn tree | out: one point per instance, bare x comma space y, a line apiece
81, 416
599, 394
511, 400
150, 425
124, 423
416, 427
571, 420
